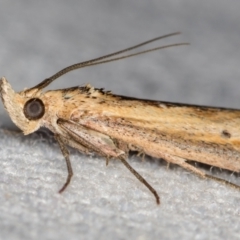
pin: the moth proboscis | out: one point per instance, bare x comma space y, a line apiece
94, 120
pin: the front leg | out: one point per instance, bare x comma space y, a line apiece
65, 153
97, 142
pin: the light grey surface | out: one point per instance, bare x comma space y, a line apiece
39, 38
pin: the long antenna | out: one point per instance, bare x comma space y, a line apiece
105, 59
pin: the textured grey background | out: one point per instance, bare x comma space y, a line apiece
38, 38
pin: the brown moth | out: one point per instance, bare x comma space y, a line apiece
94, 120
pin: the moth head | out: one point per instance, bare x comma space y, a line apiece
25, 110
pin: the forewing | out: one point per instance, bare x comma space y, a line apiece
204, 134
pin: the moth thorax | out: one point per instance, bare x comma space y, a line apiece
34, 109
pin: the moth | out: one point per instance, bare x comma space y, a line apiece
94, 120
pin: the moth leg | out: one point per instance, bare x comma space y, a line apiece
101, 144
107, 160
130, 147
141, 179
142, 155
223, 181
65, 153
140, 151
122, 146
182, 162
168, 165
90, 139
67, 141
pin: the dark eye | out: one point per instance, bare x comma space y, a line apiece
34, 109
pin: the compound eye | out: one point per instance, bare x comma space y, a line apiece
34, 109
